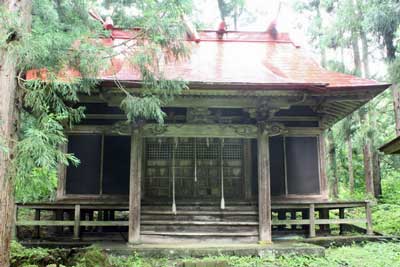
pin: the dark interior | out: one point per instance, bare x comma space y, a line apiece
84, 178
116, 165
302, 165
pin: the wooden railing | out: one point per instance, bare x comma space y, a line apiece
308, 208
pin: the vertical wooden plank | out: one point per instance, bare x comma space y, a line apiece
36, 233
324, 214
77, 221
368, 214
62, 174
322, 166
341, 216
135, 188
312, 220
247, 159
264, 189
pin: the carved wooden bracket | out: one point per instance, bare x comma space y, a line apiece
272, 129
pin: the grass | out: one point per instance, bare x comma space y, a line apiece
367, 255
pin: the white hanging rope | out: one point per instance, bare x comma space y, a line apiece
173, 176
195, 161
222, 175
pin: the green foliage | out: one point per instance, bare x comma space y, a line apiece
21, 256
64, 38
38, 156
91, 257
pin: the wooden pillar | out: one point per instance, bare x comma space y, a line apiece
312, 220
77, 221
264, 189
368, 215
135, 188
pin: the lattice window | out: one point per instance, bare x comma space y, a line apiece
206, 164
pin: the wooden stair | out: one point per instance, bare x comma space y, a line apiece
199, 223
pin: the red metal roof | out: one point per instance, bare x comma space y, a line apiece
242, 58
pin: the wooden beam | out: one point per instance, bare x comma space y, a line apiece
201, 130
264, 189
135, 187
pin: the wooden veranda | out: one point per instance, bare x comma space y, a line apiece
58, 221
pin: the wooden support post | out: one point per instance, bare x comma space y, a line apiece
312, 220
264, 189
368, 215
135, 188
36, 233
324, 214
341, 216
77, 221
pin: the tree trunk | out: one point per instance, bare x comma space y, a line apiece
367, 152
8, 125
356, 53
396, 106
365, 53
376, 170
350, 164
369, 184
7, 130
332, 166
364, 39
376, 167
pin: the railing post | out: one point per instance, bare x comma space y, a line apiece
368, 215
77, 221
312, 219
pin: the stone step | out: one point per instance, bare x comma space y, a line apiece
198, 228
225, 223
210, 234
233, 218
199, 212
198, 208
